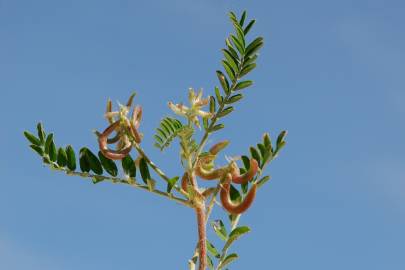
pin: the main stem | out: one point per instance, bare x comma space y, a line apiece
202, 236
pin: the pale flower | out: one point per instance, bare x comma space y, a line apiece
192, 113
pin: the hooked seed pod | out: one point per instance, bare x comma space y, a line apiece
108, 112
226, 200
208, 174
246, 177
109, 153
216, 148
184, 182
135, 123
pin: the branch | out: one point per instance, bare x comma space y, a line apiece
155, 167
130, 181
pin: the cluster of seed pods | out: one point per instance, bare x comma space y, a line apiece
227, 175
123, 127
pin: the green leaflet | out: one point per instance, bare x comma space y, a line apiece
218, 95
53, 155
262, 181
128, 166
108, 164
41, 133
210, 263
253, 47
48, 142
168, 129
255, 154
243, 85
230, 258
94, 163
143, 167
83, 162
30, 137
235, 194
246, 69
225, 112
212, 105
223, 81
246, 162
211, 249
217, 127
242, 18
71, 158
237, 233
171, 183
248, 27
37, 149
234, 98
62, 157
219, 229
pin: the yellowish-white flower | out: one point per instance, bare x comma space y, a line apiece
194, 111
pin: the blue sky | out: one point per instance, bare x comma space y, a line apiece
331, 73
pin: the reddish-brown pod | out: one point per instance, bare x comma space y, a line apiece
184, 182
216, 148
135, 123
102, 142
226, 200
136, 116
246, 177
207, 174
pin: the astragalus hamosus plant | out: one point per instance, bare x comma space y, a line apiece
233, 185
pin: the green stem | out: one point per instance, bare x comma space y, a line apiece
215, 118
154, 166
130, 182
226, 247
234, 224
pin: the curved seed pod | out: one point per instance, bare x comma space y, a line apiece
184, 182
226, 200
130, 99
102, 142
123, 142
206, 161
246, 177
135, 123
136, 116
205, 171
116, 155
108, 111
114, 139
216, 148
134, 132
209, 175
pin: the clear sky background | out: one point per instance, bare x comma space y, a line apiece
331, 73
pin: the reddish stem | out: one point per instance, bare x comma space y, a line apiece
202, 244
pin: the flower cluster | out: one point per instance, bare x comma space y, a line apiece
194, 111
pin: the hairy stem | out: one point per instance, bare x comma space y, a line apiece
154, 166
202, 235
215, 118
130, 182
